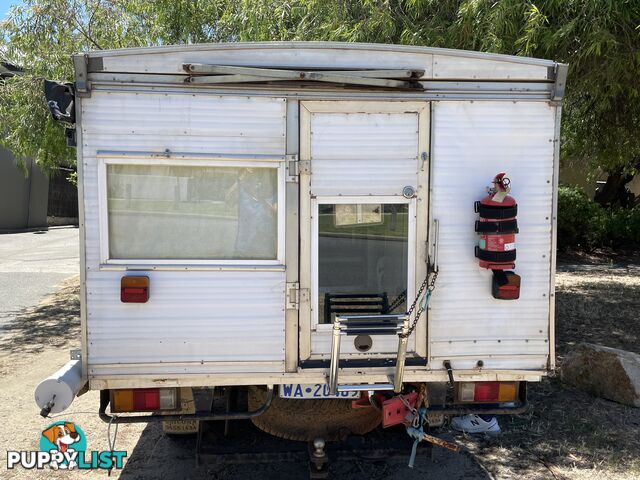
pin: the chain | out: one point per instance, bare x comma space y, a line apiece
429, 284
414, 416
398, 301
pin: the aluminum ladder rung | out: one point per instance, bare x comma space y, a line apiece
369, 325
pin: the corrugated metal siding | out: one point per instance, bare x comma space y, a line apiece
472, 142
363, 153
194, 318
170, 114
190, 317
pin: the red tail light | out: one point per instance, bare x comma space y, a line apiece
146, 399
486, 392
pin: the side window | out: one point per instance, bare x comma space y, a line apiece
192, 212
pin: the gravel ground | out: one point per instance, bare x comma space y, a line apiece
567, 434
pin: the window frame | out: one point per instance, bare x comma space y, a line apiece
316, 326
239, 161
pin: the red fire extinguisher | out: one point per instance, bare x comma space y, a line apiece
497, 226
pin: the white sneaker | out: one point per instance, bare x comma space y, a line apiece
475, 424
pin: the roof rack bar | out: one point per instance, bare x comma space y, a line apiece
233, 74
278, 72
219, 79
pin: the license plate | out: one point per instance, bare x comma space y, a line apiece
317, 390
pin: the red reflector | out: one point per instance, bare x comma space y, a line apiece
146, 399
134, 289
486, 392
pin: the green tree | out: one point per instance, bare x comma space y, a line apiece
41, 35
600, 39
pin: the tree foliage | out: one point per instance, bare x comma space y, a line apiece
600, 39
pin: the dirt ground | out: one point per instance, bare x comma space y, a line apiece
567, 434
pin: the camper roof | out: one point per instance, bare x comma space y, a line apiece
328, 62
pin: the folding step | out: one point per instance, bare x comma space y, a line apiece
369, 325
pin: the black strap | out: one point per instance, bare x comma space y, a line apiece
497, 212
508, 226
501, 257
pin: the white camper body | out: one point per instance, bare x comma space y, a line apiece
236, 280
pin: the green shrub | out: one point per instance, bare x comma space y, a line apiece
580, 220
584, 224
623, 227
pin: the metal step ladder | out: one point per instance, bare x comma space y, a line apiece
369, 325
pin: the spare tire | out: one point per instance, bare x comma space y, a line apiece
305, 420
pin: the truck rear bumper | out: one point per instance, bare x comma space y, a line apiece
205, 416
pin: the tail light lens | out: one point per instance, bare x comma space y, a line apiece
487, 392
134, 289
147, 399
144, 400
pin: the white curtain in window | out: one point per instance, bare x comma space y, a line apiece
191, 212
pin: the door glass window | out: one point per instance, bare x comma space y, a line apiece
362, 259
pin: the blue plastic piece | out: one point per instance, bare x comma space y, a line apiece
417, 433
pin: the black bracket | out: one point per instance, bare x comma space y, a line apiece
447, 365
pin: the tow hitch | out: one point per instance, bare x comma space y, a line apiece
406, 409
318, 460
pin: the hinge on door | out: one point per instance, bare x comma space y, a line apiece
304, 166
293, 170
293, 295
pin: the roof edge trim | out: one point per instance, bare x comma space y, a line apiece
320, 45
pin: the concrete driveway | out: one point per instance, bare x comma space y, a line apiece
32, 264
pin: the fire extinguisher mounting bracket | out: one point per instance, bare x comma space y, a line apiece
495, 212
499, 257
509, 226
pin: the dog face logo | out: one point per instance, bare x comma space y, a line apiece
65, 438
62, 435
